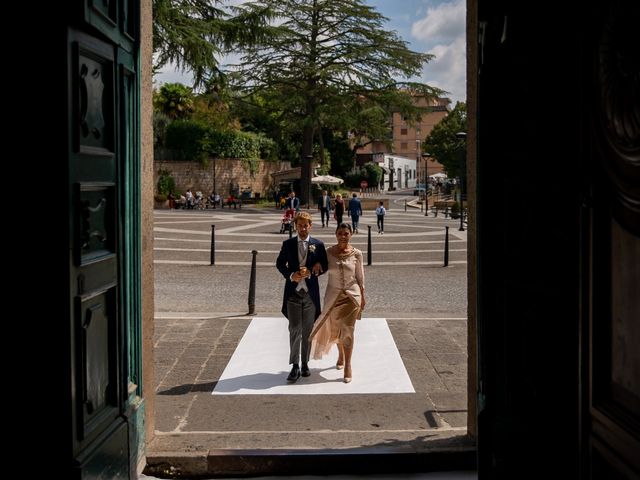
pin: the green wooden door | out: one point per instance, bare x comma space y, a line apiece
103, 166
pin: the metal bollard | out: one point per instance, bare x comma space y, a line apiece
421, 207
252, 285
446, 247
426, 205
213, 245
405, 204
369, 246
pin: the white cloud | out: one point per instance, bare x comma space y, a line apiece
439, 30
442, 23
169, 74
448, 70
442, 33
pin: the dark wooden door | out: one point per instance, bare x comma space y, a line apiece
558, 234
611, 246
103, 214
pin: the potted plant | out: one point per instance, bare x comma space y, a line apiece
160, 201
166, 186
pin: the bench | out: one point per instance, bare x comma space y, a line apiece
444, 206
447, 207
237, 203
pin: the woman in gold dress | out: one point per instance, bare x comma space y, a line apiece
343, 302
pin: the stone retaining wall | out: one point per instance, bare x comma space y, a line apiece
229, 173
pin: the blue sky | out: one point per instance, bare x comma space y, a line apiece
429, 26
437, 27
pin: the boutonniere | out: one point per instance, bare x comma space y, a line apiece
312, 248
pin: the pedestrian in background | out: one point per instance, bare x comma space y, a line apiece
380, 213
324, 205
338, 209
355, 210
293, 202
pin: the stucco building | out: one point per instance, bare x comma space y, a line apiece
407, 139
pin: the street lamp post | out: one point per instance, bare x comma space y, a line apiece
418, 157
463, 176
426, 156
418, 162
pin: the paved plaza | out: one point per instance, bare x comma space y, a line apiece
201, 320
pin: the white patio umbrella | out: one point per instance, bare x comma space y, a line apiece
438, 175
327, 180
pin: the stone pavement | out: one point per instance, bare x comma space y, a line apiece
201, 318
457, 475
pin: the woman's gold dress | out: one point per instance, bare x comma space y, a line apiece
341, 302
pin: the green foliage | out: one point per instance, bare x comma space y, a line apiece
368, 118
337, 145
353, 178
198, 141
160, 123
212, 105
174, 100
370, 172
191, 34
166, 183
322, 157
322, 56
244, 145
186, 33
444, 145
373, 174
263, 113
189, 137
268, 148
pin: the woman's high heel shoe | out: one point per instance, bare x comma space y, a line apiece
347, 375
339, 366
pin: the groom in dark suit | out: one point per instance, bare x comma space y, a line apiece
301, 260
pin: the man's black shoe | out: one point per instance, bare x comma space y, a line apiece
305, 370
294, 374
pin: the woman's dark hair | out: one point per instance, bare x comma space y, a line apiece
344, 225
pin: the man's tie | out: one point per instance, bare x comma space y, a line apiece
302, 257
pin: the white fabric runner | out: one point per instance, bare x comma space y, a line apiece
259, 364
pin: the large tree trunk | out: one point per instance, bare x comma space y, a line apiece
307, 158
323, 163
